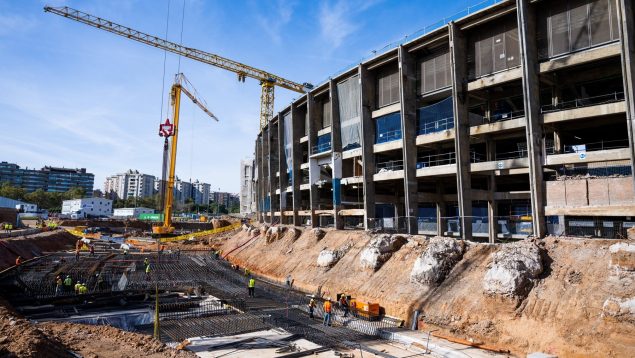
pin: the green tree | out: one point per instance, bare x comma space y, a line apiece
12, 192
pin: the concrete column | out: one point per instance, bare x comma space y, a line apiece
271, 174
297, 161
407, 92
258, 184
367, 93
282, 167
458, 53
314, 169
440, 209
627, 34
336, 159
531, 96
492, 210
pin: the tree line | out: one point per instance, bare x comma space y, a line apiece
51, 201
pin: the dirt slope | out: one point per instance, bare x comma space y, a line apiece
563, 313
34, 245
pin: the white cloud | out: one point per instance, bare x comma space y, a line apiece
273, 22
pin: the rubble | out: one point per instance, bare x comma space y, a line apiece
623, 256
437, 260
623, 310
380, 249
513, 270
317, 233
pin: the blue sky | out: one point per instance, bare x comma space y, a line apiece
75, 96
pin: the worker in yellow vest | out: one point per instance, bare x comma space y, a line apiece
251, 287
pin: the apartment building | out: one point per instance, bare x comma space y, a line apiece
131, 184
50, 179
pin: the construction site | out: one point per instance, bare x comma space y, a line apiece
464, 192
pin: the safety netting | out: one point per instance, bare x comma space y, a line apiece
350, 120
435, 117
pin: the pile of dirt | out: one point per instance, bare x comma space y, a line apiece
563, 313
34, 245
21, 338
18, 338
105, 341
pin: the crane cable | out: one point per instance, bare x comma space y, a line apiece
165, 55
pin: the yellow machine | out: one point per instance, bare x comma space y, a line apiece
168, 130
267, 80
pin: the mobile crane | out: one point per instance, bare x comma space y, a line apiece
171, 129
267, 80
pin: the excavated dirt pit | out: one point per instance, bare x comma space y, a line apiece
579, 302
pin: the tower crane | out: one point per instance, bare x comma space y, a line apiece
168, 130
267, 80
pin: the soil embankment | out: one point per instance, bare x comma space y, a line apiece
21, 338
34, 245
568, 297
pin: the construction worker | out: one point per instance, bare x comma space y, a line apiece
18, 260
148, 272
251, 287
68, 283
327, 312
77, 254
83, 289
58, 285
92, 250
77, 286
344, 304
312, 305
247, 272
146, 263
289, 281
100, 282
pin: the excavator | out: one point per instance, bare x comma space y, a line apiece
171, 130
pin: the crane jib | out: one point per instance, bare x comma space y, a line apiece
241, 69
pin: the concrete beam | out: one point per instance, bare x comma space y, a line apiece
625, 11
531, 96
437, 170
395, 107
442, 136
495, 127
589, 157
579, 58
584, 112
495, 79
392, 175
607, 210
458, 51
367, 93
388, 146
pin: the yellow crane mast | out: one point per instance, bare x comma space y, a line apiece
167, 130
267, 80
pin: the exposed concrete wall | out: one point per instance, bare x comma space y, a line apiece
590, 192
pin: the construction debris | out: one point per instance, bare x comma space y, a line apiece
380, 249
437, 260
514, 269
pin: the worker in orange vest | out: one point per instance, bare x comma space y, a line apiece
327, 312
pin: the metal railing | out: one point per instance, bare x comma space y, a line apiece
583, 102
590, 147
589, 227
436, 126
388, 136
433, 160
500, 117
515, 154
389, 166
